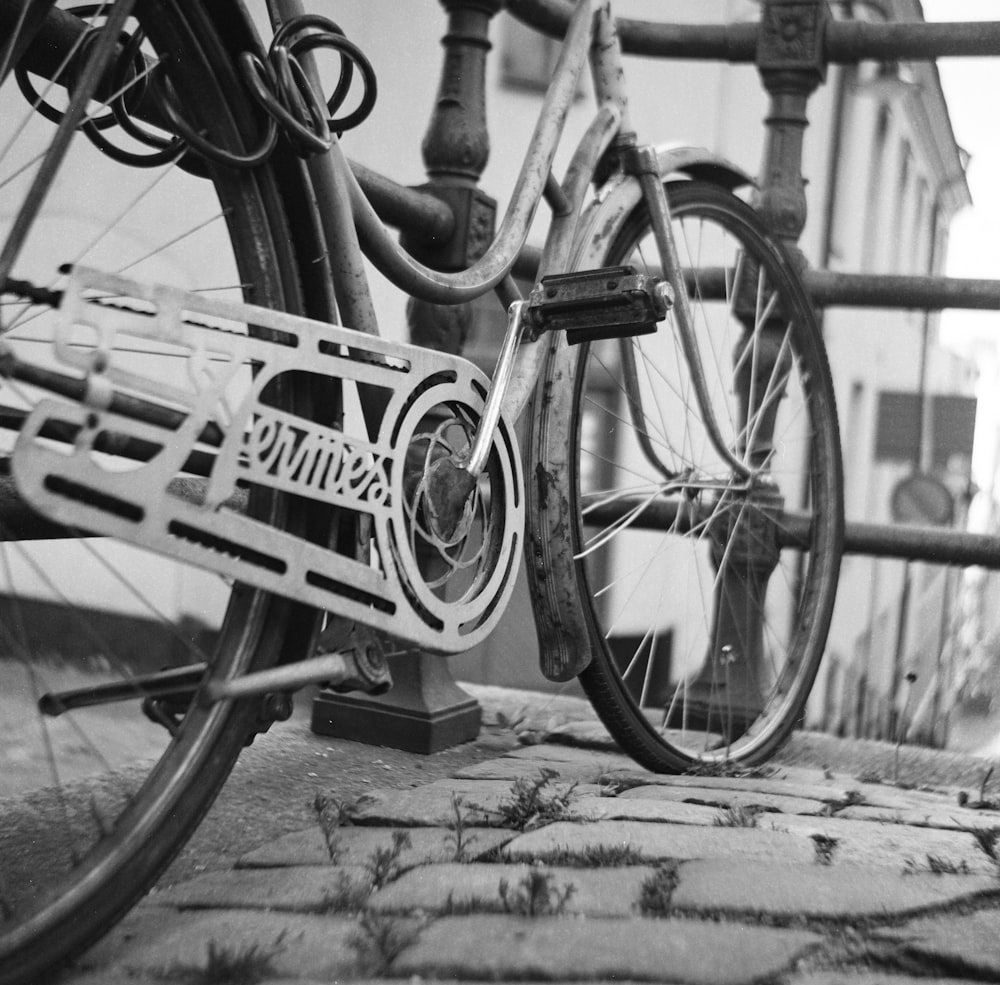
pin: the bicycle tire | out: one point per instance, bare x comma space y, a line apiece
731, 689
95, 843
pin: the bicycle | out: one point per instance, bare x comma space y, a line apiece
237, 426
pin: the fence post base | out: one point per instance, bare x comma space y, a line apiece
425, 712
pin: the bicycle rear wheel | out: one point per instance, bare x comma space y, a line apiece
708, 597
96, 802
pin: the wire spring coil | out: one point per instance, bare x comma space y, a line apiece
278, 84
282, 88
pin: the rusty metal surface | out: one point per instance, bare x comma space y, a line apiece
901, 541
845, 42
829, 289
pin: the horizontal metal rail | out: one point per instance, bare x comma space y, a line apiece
906, 542
829, 289
845, 42
419, 212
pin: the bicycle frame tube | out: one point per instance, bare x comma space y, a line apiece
610, 122
466, 285
328, 175
648, 173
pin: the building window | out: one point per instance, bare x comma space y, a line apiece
528, 58
874, 230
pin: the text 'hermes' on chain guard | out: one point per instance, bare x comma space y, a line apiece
194, 424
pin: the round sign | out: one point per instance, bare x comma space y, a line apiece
923, 499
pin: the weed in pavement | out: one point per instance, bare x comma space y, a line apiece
238, 965
531, 802
467, 905
657, 890
851, 798
332, 815
987, 839
596, 856
458, 837
380, 939
349, 895
870, 776
936, 866
737, 816
536, 895
613, 784
730, 769
824, 846
383, 864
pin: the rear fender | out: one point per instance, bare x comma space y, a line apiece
554, 583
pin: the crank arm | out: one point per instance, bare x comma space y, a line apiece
451, 480
341, 671
502, 375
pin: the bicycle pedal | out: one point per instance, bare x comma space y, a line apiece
606, 303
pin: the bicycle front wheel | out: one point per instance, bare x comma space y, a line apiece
96, 801
708, 593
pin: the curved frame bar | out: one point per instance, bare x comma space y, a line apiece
453, 288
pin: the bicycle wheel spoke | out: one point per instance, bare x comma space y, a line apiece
705, 634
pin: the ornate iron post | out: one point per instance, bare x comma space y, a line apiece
792, 66
734, 673
426, 710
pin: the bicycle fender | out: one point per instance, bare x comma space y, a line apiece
621, 193
553, 579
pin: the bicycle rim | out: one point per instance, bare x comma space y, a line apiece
96, 802
707, 620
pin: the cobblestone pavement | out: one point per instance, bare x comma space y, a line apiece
562, 861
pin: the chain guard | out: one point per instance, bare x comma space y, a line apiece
402, 584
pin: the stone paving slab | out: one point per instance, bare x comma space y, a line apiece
568, 948
733, 898
590, 808
549, 754
886, 796
930, 815
355, 845
610, 892
899, 846
585, 735
717, 797
865, 977
957, 944
813, 788
818, 891
512, 767
302, 889
159, 941
432, 805
655, 842
836, 790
